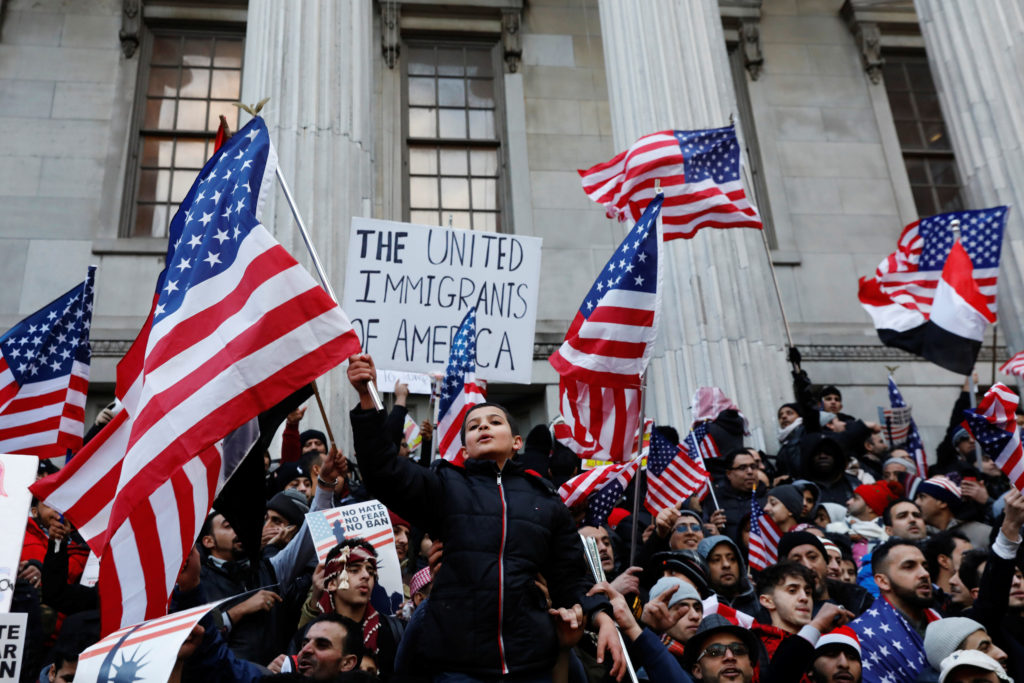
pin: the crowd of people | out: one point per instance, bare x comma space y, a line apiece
881, 575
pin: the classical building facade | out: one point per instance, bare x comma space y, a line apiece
856, 117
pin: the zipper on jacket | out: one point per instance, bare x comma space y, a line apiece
501, 575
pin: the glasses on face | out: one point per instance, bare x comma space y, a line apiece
744, 468
719, 649
682, 528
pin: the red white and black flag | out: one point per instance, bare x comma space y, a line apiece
935, 295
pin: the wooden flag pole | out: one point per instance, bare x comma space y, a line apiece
377, 403
775, 282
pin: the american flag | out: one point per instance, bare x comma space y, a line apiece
44, 376
700, 443
764, 537
893, 651
609, 344
994, 426
459, 389
1014, 366
601, 487
237, 326
699, 172
910, 275
673, 474
914, 445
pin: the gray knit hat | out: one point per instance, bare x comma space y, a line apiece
943, 637
790, 496
683, 592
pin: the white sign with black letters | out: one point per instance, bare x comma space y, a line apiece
407, 288
16, 473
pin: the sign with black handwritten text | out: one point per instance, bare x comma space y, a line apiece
407, 288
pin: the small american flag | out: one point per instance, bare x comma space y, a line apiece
699, 172
909, 276
609, 345
1014, 366
601, 487
44, 376
459, 388
893, 651
994, 426
673, 474
700, 443
914, 445
764, 537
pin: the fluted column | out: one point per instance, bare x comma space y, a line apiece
667, 68
314, 59
976, 52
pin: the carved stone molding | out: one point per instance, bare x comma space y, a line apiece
877, 26
131, 26
750, 42
869, 41
390, 32
512, 38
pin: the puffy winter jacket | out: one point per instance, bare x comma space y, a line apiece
485, 616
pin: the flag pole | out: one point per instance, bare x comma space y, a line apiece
639, 470
954, 225
435, 400
378, 404
775, 282
711, 484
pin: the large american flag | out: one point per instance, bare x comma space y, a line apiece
44, 376
909, 276
601, 488
237, 326
914, 445
994, 426
609, 345
460, 390
893, 650
764, 537
699, 172
673, 474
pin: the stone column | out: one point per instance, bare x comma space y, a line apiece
314, 59
976, 52
722, 325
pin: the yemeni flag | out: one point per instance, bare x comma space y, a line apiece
950, 334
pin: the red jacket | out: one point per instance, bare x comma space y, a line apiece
34, 545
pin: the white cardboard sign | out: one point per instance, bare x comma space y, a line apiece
12, 644
369, 521
407, 288
16, 473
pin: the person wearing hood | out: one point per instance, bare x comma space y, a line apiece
784, 505
727, 574
791, 430
824, 463
811, 495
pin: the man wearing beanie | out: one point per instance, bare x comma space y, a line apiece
837, 658
676, 626
870, 500
807, 549
285, 513
945, 636
898, 463
938, 497
784, 505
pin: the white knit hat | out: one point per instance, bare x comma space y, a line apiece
943, 637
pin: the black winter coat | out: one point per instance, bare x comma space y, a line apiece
485, 615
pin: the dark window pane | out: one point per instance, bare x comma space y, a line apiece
909, 135
143, 220
943, 172
895, 77
450, 62
920, 77
147, 186
949, 199
935, 135
420, 61
481, 93
928, 106
923, 200
157, 151
917, 170
902, 108
478, 63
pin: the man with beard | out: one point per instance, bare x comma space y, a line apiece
628, 582
727, 574
837, 658
807, 549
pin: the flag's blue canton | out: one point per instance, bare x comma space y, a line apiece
603, 500
981, 233
710, 154
215, 216
660, 454
694, 439
992, 439
42, 346
634, 266
914, 443
461, 361
893, 651
320, 527
756, 513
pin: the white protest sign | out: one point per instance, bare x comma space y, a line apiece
12, 644
419, 382
368, 521
91, 573
144, 653
16, 473
407, 288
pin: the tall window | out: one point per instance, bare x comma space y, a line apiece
191, 80
922, 133
453, 137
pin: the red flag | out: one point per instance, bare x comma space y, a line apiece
223, 133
